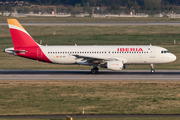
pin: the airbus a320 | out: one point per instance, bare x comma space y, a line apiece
112, 57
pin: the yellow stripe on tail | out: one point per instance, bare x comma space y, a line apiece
15, 22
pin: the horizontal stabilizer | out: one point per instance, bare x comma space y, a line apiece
12, 51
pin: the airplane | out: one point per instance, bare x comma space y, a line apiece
112, 57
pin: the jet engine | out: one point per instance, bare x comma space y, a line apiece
115, 65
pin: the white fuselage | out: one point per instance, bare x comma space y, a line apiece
129, 54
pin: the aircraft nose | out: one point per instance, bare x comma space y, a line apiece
173, 57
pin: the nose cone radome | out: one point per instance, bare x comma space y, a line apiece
173, 57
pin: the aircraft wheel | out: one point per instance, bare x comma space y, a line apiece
94, 70
152, 71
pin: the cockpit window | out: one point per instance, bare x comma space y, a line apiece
164, 51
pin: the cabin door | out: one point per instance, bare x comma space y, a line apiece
39, 53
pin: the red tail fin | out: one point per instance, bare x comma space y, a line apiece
20, 36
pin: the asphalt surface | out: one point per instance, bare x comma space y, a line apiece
160, 75
97, 23
87, 116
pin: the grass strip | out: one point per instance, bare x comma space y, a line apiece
96, 97
141, 118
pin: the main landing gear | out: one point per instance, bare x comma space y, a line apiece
152, 69
94, 70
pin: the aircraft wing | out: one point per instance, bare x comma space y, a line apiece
93, 59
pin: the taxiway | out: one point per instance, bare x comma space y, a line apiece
160, 75
96, 23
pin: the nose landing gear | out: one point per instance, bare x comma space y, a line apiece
152, 69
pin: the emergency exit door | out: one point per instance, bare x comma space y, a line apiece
152, 53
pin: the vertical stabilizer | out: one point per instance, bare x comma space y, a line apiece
20, 36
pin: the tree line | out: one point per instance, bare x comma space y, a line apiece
112, 4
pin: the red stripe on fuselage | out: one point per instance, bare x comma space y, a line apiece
23, 41
32, 53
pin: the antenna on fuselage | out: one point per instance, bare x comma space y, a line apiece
150, 44
75, 44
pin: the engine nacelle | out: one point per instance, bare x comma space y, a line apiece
115, 65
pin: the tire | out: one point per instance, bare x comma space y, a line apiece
152, 71
93, 71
